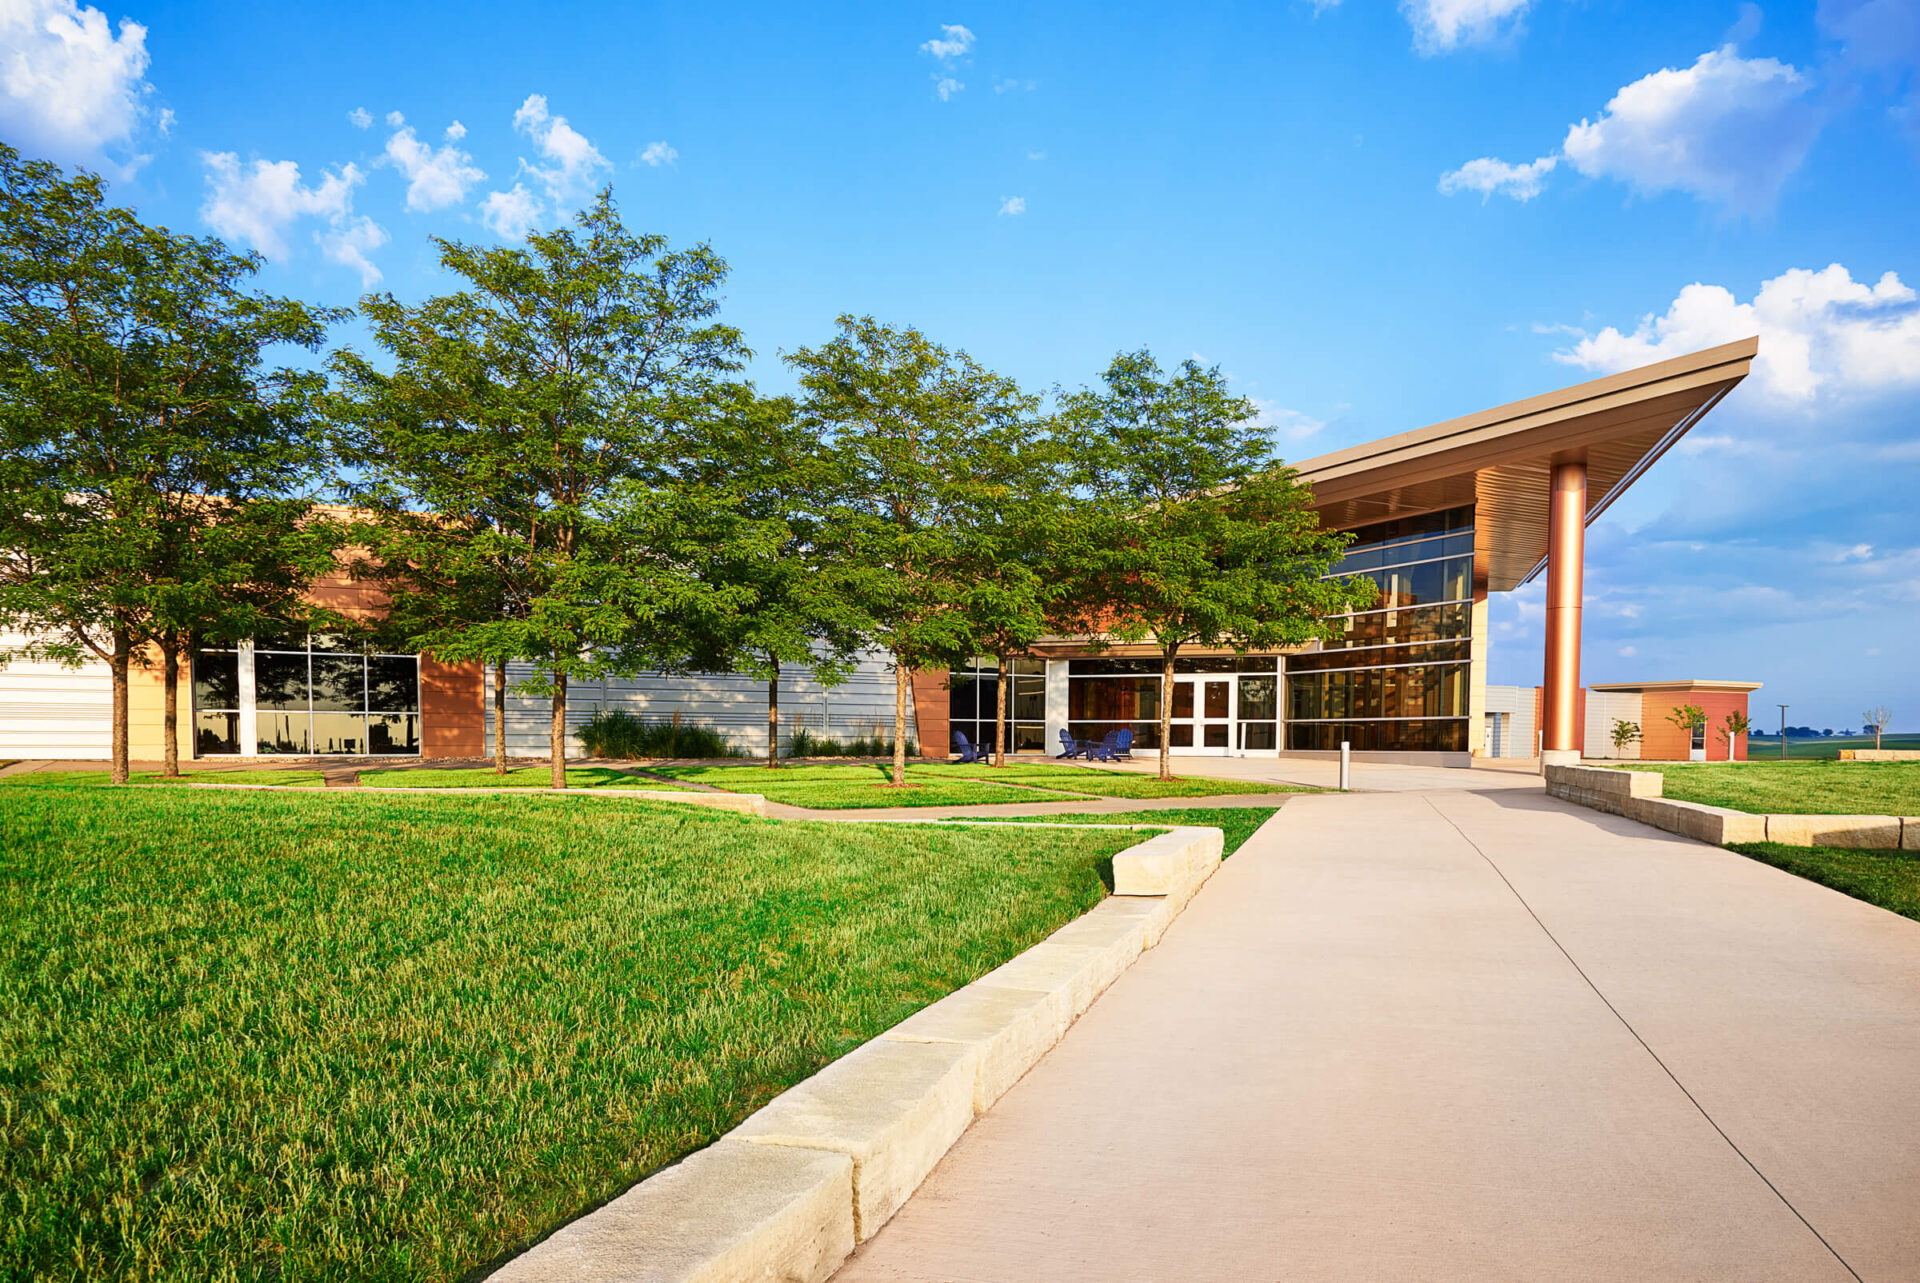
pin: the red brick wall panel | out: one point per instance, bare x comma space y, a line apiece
453, 709
932, 712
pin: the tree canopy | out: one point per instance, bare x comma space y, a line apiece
155, 472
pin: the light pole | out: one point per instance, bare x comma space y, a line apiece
1783, 732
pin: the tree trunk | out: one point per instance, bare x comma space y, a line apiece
559, 735
170, 714
901, 676
1166, 713
773, 718
500, 718
1000, 715
118, 666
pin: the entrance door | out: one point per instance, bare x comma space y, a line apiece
1202, 715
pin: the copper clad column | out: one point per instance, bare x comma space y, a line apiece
1566, 549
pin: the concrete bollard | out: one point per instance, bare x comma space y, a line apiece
1346, 766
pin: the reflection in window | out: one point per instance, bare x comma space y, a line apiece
318, 696
1396, 675
216, 703
974, 699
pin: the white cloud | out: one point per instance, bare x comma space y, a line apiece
436, 177
572, 160
360, 118
657, 154
947, 87
1014, 85
1489, 176
256, 203
512, 214
1036, 155
955, 41
1443, 25
1290, 425
395, 120
1013, 205
1727, 129
70, 85
1628, 652
1822, 335
351, 242
455, 132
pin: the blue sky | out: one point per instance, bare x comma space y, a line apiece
1373, 216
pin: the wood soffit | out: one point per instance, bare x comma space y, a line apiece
1501, 459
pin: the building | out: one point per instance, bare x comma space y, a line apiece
1442, 517
1512, 713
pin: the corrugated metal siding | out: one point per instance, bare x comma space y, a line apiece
50, 711
733, 705
1514, 706
1603, 707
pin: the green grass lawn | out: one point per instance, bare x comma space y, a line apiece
354, 1035
1794, 788
526, 777
1890, 879
1236, 823
948, 784
100, 778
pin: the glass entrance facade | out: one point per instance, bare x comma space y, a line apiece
1396, 676
1220, 703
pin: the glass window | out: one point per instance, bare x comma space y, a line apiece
1258, 735
334, 700
1259, 699
393, 684
339, 685
216, 681
973, 704
280, 682
215, 733
1216, 698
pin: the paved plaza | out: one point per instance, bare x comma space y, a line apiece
1461, 1033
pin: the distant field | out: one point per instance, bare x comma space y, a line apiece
1761, 747
351, 1035
1802, 787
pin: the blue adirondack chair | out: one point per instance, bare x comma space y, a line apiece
1104, 751
1069, 747
1124, 749
968, 753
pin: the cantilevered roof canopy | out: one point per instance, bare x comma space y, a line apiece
1501, 459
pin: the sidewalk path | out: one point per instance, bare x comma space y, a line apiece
1462, 1035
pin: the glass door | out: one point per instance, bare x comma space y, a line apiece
1203, 715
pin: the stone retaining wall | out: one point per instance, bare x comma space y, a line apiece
788, 1193
1637, 795
1880, 754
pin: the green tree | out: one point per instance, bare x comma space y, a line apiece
1029, 548
1690, 718
1732, 727
533, 417
914, 435
1624, 733
152, 466
1211, 538
754, 475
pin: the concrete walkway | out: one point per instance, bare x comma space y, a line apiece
1463, 1035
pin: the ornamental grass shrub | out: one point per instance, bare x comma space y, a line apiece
619, 734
